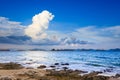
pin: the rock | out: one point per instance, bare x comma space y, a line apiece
65, 64
65, 68
56, 64
108, 70
52, 66
29, 63
41, 67
73, 75
31, 60
10, 65
5, 78
100, 78
94, 76
80, 71
69, 70
29, 68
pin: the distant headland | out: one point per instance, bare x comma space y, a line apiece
116, 49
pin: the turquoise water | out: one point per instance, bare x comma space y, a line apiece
106, 61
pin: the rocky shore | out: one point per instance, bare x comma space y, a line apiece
14, 71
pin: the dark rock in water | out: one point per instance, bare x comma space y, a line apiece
41, 67
65, 64
65, 68
97, 72
10, 65
108, 70
5, 78
29, 63
69, 71
31, 60
56, 63
57, 68
52, 66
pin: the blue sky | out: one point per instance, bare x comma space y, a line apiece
80, 12
90, 21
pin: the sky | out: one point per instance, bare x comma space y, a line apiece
59, 24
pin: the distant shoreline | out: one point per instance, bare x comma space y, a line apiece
116, 49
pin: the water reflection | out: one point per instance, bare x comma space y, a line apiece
34, 58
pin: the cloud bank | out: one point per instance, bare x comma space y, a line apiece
97, 34
39, 24
8, 28
12, 32
37, 35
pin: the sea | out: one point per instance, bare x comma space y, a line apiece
107, 62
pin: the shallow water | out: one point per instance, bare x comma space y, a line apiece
106, 61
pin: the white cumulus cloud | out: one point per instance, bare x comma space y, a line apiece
39, 25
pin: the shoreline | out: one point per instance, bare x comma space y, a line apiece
61, 66
14, 71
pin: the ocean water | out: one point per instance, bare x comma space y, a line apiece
105, 61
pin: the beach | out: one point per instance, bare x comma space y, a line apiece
14, 71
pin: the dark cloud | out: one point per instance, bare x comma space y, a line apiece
14, 39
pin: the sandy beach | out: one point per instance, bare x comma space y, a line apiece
40, 74
14, 71
21, 74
